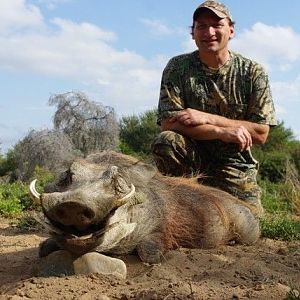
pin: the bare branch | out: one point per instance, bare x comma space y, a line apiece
90, 125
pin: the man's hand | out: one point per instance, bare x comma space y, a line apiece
238, 135
191, 117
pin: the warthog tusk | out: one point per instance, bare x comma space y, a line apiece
123, 200
36, 197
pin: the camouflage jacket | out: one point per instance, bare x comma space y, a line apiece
239, 90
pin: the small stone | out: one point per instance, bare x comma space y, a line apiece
93, 277
295, 293
16, 297
21, 293
259, 287
282, 251
103, 297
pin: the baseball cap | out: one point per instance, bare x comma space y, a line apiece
216, 7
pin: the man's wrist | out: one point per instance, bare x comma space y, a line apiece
212, 119
219, 131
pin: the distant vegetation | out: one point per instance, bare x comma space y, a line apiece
89, 125
82, 126
138, 132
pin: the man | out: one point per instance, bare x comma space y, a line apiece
214, 105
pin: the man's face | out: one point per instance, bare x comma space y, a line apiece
211, 34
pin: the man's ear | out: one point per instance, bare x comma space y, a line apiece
192, 31
232, 30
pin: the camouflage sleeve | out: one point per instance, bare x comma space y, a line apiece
261, 107
170, 101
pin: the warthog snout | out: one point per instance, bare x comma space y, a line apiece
73, 214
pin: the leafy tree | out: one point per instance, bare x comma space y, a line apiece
138, 132
8, 165
90, 125
279, 138
295, 153
280, 150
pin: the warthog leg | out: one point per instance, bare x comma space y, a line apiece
47, 247
150, 250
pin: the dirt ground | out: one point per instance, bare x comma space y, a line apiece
268, 270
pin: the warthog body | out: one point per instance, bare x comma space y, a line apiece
111, 203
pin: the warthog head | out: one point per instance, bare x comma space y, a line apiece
83, 200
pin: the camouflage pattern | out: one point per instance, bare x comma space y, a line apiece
239, 90
218, 8
216, 164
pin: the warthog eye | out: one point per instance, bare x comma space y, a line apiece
65, 179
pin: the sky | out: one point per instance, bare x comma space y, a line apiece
115, 51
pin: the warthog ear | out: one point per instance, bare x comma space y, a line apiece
142, 172
137, 174
117, 180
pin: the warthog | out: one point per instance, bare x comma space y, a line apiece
112, 203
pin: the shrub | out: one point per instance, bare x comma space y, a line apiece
280, 150
27, 223
276, 197
49, 149
8, 165
89, 125
280, 227
273, 167
138, 132
13, 199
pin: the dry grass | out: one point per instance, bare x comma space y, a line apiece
292, 179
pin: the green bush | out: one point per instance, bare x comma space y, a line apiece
276, 197
279, 139
280, 150
278, 202
43, 175
28, 223
273, 167
138, 132
15, 198
280, 227
295, 153
8, 164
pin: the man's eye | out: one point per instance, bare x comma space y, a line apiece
201, 27
204, 27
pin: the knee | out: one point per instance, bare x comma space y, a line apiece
165, 139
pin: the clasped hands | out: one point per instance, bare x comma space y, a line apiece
226, 130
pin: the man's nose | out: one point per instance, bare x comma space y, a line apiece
210, 30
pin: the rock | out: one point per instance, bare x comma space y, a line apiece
57, 263
94, 262
62, 263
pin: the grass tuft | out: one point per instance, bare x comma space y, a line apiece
280, 227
